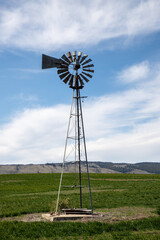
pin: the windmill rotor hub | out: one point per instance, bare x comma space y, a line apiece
77, 65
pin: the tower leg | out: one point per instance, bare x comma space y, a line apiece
86, 158
79, 143
64, 156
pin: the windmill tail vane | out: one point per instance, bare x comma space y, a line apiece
74, 70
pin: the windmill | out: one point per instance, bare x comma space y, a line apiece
75, 70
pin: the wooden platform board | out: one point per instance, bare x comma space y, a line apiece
77, 211
65, 217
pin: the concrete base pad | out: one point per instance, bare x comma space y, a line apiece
65, 217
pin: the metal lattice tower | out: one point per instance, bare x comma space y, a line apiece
74, 70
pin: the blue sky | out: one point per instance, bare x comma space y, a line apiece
122, 111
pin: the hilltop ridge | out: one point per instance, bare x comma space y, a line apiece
94, 167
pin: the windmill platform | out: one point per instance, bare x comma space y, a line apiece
70, 214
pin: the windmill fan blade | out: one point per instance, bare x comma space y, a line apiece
65, 58
83, 58
90, 65
71, 81
63, 75
87, 74
50, 62
89, 60
76, 80
62, 70
81, 82
63, 64
67, 79
88, 70
86, 79
69, 55
74, 53
79, 55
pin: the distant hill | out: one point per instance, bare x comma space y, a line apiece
138, 168
94, 167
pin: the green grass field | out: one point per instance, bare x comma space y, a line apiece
36, 193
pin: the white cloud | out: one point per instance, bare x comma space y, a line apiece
53, 24
33, 135
120, 127
135, 73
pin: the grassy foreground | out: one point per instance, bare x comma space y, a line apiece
33, 193
141, 229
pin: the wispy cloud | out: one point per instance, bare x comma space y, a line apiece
120, 127
27, 70
52, 24
28, 98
